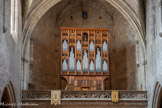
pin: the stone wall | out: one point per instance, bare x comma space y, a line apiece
10, 52
124, 54
154, 48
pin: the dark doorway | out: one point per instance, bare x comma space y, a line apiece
5, 99
160, 100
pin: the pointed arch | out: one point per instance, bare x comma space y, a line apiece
45, 5
8, 95
157, 97
36, 14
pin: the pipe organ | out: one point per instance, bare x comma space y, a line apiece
84, 58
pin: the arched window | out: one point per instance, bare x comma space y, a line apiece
157, 97
159, 17
2, 6
14, 18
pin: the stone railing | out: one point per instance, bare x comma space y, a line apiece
85, 95
36, 95
132, 95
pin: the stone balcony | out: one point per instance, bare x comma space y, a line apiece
87, 99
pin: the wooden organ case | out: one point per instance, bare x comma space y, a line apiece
84, 58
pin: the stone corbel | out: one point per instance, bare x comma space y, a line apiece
24, 60
4, 30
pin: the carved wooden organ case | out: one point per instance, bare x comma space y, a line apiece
84, 58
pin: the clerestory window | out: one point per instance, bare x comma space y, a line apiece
14, 18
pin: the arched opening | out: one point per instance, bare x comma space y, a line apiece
5, 99
8, 99
157, 98
124, 42
160, 99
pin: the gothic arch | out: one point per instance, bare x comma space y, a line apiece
157, 97
128, 13
8, 95
45, 5
5, 97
